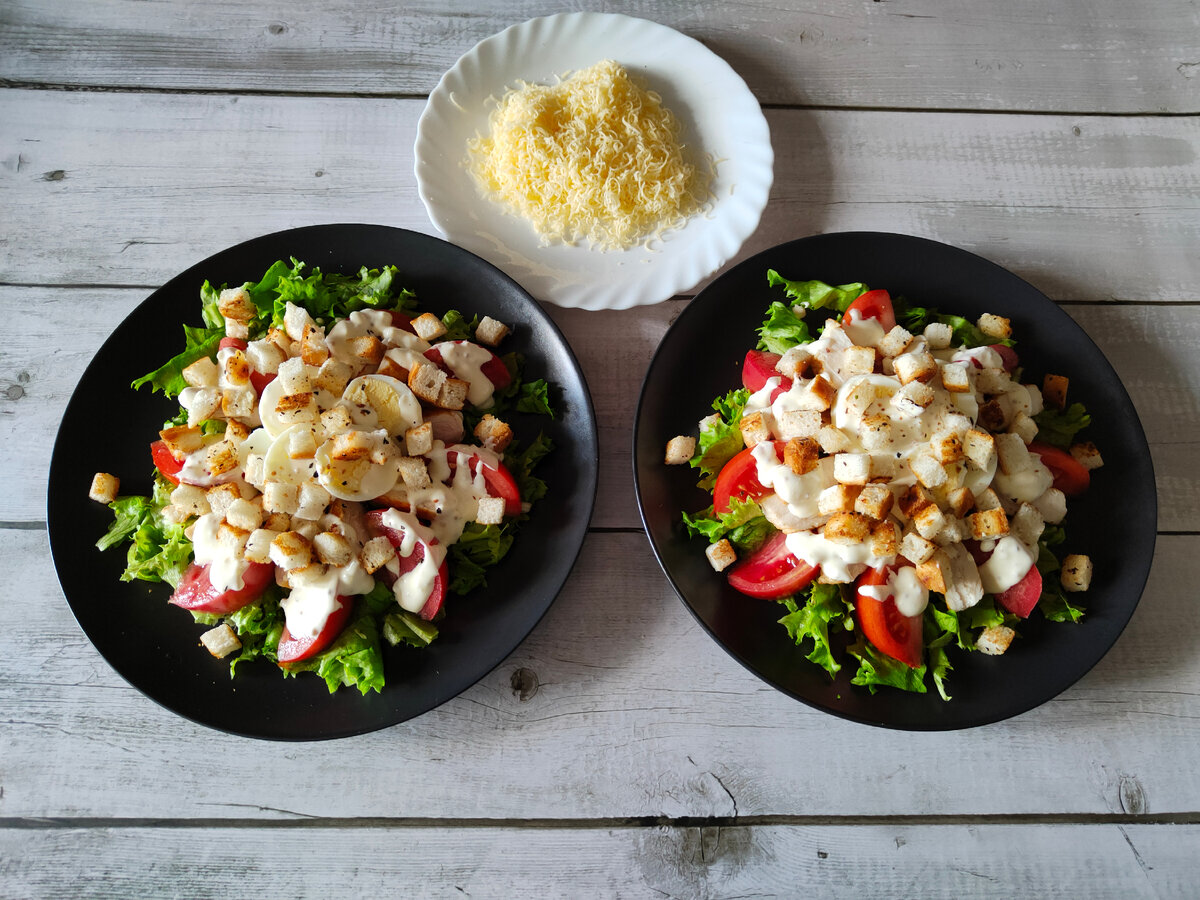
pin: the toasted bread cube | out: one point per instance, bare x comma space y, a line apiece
221, 496
190, 499
237, 368
896, 341
236, 329
915, 366
496, 435
311, 502
847, 528
801, 455
279, 337
1024, 426
956, 378
797, 362
987, 499
202, 373
220, 641
182, 439
832, 440
490, 331
376, 553
995, 326
239, 403
204, 404
979, 447
175, 515
236, 432
335, 420
874, 501
992, 381
953, 532
244, 514
280, 497
928, 470
295, 320
221, 457
964, 587
232, 539
453, 394
418, 440
929, 520
413, 472
236, 303
852, 468
264, 356
938, 335
858, 361
885, 538
277, 521
959, 501
914, 498
352, 445
391, 367
1076, 574
295, 377
912, 399
932, 573
797, 423
368, 349
104, 487
915, 548
332, 549
258, 545
332, 376
876, 432
860, 398
291, 550
946, 447
754, 429
313, 349
302, 443
1087, 455
995, 639
1027, 525
1014, 455
426, 380
428, 327
1054, 391
837, 498
816, 394
298, 409
990, 523
721, 555
490, 511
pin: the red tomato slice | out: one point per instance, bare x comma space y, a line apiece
1023, 596
235, 343
758, 366
494, 369
294, 650
500, 483
739, 478
771, 571
875, 304
400, 320
1069, 476
889, 631
437, 593
165, 461
197, 593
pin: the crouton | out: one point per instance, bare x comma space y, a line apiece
367, 349
991, 523
847, 528
244, 514
933, 571
876, 432
237, 368
874, 501
182, 439
190, 499
352, 445
426, 380
221, 457
954, 531
896, 341
914, 498
928, 470
302, 443
335, 420
413, 472
837, 498
912, 399
858, 361
1013, 454
1054, 391
994, 326
297, 409
979, 447
220, 641
929, 520
956, 378
754, 429
202, 373
915, 366
798, 362
1087, 455
490, 511
428, 327
1076, 574
264, 357
946, 447
376, 553
258, 545
291, 550
280, 497
295, 320
392, 368
938, 335
333, 376
1024, 426
720, 555
798, 423
496, 435
104, 487
332, 549
885, 539
801, 455
915, 548
852, 468
490, 331
313, 349
1027, 525
995, 639
418, 440
816, 393
453, 394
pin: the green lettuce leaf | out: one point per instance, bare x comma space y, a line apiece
1053, 603
159, 551
817, 294
720, 439
744, 525
535, 398
479, 548
403, 627
458, 327
1059, 426
811, 615
782, 329
877, 670
168, 378
354, 659
522, 462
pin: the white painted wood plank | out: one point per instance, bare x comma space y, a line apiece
1103, 56
120, 189
636, 712
1155, 350
941, 861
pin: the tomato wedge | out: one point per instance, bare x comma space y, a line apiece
739, 478
500, 483
293, 649
437, 593
400, 320
771, 571
197, 593
1023, 596
165, 461
494, 369
1070, 476
758, 366
889, 631
875, 304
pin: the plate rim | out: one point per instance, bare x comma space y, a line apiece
585, 437
748, 202
1137, 437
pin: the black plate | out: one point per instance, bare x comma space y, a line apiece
154, 646
700, 358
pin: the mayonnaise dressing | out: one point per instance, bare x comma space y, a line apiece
312, 602
841, 562
373, 322
225, 562
412, 588
911, 597
465, 360
1010, 561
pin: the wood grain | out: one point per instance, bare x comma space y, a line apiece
1086, 208
1103, 56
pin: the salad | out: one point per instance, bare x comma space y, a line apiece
894, 483
339, 465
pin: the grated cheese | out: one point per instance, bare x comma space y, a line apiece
592, 157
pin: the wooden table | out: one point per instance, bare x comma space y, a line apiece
618, 751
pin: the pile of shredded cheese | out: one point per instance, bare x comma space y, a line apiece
593, 157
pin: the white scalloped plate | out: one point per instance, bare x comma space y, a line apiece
720, 118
